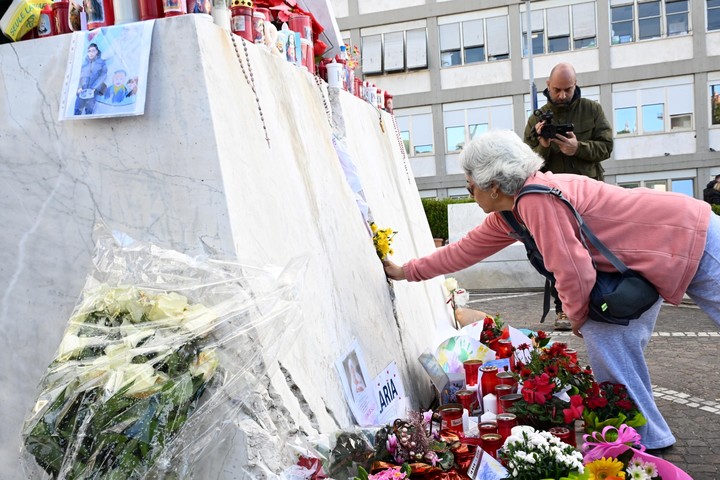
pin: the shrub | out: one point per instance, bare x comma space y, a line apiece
436, 211
716, 209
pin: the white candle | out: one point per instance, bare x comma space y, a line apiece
126, 11
490, 403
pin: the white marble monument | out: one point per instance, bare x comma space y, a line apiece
234, 157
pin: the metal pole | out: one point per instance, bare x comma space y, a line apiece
531, 69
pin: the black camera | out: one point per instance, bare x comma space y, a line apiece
549, 130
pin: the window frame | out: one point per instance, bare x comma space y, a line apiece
411, 58
412, 117
636, 21
578, 35
463, 47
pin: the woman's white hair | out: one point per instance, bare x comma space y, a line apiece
499, 157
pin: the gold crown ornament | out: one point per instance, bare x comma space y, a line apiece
243, 3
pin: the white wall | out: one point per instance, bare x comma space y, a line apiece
195, 174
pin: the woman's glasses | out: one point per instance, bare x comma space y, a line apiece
471, 189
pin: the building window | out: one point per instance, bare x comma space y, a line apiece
473, 41
626, 121
715, 104
654, 108
677, 17
683, 185
416, 131
398, 51
713, 15
650, 19
678, 185
560, 29
465, 121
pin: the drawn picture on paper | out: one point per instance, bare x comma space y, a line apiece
107, 72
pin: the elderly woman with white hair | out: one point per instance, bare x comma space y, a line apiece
671, 239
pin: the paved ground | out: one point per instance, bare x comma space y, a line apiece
684, 367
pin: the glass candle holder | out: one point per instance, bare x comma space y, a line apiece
490, 442
505, 423
507, 378
451, 417
500, 391
507, 401
487, 427
471, 371
468, 399
572, 353
488, 379
564, 434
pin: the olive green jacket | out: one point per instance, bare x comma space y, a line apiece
592, 129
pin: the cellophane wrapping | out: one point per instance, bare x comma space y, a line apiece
159, 354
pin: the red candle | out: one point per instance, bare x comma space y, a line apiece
451, 417
488, 380
507, 401
60, 16
564, 434
487, 427
468, 399
471, 371
500, 391
242, 22
99, 13
150, 9
505, 423
172, 8
490, 442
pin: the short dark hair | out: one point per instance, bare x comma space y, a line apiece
94, 45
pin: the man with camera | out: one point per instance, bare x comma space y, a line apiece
573, 136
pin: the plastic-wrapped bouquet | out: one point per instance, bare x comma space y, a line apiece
609, 403
158, 349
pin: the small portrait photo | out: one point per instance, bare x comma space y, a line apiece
356, 379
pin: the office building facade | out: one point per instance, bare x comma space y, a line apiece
458, 68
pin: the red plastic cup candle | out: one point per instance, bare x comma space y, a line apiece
490, 442
572, 353
471, 371
451, 417
564, 434
507, 401
487, 427
500, 391
506, 378
468, 399
488, 379
505, 423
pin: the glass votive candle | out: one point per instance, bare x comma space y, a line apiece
500, 391
507, 378
505, 423
491, 442
487, 427
564, 434
488, 379
468, 399
471, 371
572, 353
507, 401
451, 417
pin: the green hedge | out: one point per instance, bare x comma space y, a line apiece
436, 211
716, 209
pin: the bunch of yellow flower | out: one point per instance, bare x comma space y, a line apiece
382, 238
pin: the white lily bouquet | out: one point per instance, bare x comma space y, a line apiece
159, 346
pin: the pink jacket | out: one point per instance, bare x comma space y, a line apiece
659, 234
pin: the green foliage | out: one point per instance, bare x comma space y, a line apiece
716, 209
436, 211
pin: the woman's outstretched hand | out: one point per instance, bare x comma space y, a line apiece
393, 271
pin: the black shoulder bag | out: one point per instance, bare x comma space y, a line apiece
617, 297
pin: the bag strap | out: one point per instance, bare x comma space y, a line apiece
584, 229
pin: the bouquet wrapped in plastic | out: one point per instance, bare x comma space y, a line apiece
158, 354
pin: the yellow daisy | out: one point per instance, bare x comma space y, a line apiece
605, 468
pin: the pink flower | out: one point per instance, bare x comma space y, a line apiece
391, 444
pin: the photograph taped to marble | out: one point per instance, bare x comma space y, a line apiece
107, 72
160, 354
354, 378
